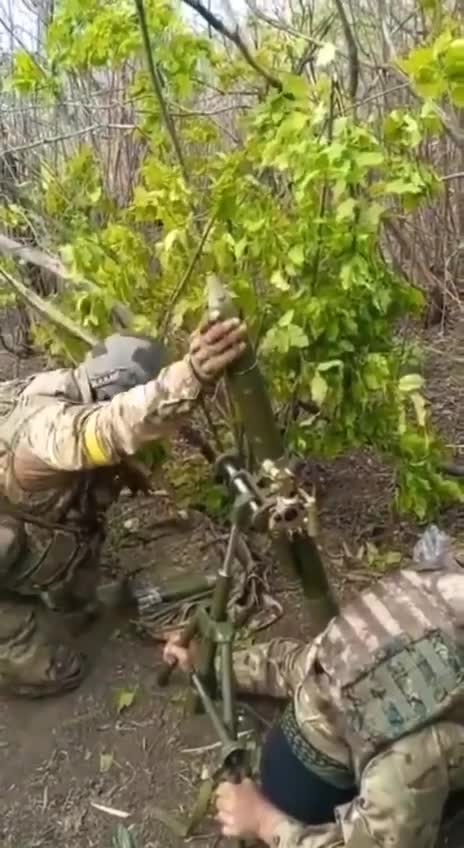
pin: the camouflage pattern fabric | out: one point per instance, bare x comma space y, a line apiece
59, 458
53, 434
54, 429
404, 778
283, 668
393, 658
401, 797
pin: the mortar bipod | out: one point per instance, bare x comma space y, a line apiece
214, 627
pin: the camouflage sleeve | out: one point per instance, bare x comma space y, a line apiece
72, 437
400, 802
272, 668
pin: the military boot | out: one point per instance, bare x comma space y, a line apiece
30, 664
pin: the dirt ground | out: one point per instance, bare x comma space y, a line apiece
61, 757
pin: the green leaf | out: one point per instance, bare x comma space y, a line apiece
254, 226
457, 93
453, 60
420, 408
27, 74
319, 389
339, 189
418, 59
370, 159
410, 383
401, 186
345, 210
95, 195
329, 366
124, 698
430, 83
296, 255
279, 282
297, 337
372, 215
177, 825
297, 86
392, 558
346, 275
326, 55
430, 120
123, 838
296, 121
106, 761
170, 239
287, 318
240, 247
392, 125
201, 805
441, 44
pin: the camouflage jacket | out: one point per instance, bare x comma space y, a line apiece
404, 784
54, 429
59, 459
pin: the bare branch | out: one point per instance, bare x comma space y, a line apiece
235, 37
403, 240
186, 277
158, 89
353, 58
284, 27
25, 254
447, 177
47, 310
65, 137
34, 256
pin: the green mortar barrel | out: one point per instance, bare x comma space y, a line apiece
298, 555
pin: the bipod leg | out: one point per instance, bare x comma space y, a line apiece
234, 754
213, 625
234, 766
227, 687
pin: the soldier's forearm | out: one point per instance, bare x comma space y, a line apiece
142, 414
72, 437
272, 668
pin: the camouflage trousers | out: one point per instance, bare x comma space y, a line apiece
37, 620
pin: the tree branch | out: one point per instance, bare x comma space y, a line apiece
158, 89
353, 58
235, 37
458, 176
32, 255
65, 137
186, 277
403, 239
47, 310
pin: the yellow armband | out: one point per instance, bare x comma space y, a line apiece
93, 447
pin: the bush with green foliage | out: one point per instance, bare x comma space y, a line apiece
294, 198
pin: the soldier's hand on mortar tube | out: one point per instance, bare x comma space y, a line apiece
175, 653
243, 811
215, 345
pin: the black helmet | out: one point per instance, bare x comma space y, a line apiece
122, 361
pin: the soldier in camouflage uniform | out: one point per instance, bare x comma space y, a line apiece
65, 436
372, 741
